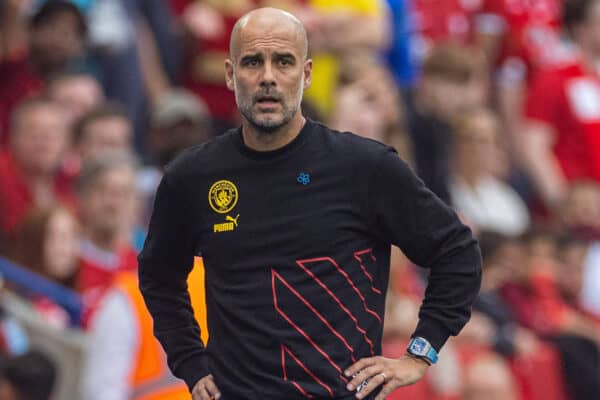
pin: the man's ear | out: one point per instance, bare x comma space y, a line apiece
307, 73
229, 74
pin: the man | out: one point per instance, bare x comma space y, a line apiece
297, 261
108, 206
562, 139
54, 39
29, 168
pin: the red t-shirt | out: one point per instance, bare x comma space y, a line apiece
568, 99
448, 20
17, 82
530, 34
97, 270
16, 198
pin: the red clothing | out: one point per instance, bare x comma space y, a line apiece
97, 270
17, 82
529, 30
568, 99
439, 21
201, 56
16, 198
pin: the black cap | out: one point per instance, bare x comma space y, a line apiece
51, 8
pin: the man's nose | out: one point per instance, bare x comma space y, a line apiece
268, 78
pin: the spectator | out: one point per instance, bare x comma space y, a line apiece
28, 170
103, 130
78, 93
108, 207
46, 242
55, 38
476, 189
520, 38
31, 376
335, 42
452, 82
562, 139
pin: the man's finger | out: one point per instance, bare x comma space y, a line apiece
212, 388
363, 375
373, 383
360, 364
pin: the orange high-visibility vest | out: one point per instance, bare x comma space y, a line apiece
150, 378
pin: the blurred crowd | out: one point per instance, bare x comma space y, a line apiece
495, 104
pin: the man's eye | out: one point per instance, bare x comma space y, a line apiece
284, 62
251, 63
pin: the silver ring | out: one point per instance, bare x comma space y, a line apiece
384, 377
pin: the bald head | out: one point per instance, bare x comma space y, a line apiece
267, 22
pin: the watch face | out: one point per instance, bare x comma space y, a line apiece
418, 346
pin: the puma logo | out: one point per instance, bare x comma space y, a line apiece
234, 220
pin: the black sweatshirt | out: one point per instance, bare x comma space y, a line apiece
296, 248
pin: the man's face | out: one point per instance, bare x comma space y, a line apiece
109, 201
77, 94
104, 136
592, 26
55, 42
268, 74
39, 139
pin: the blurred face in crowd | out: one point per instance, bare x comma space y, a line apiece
478, 144
581, 208
443, 97
507, 263
77, 94
268, 69
166, 142
108, 202
60, 246
570, 277
105, 135
588, 32
56, 41
39, 138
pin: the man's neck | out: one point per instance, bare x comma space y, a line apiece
268, 141
104, 241
591, 60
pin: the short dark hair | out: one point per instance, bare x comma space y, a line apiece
575, 12
52, 8
32, 375
104, 111
453, 62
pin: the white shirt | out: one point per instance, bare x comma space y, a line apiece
491, 205
112, 350
590, 292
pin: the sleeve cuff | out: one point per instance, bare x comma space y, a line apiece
192, 370
435, 333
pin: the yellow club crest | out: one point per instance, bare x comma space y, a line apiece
222, 196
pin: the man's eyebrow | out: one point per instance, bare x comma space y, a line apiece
252, 56
285, 55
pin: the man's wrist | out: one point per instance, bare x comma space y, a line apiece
422, 360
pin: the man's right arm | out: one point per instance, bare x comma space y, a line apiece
164, 264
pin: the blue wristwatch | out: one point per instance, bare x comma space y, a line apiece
421, 348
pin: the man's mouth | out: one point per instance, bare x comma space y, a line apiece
267, 100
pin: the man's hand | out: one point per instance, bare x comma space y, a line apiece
391, 373
206, 389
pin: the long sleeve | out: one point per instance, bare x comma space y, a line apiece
164, 264
407, 214
111, 351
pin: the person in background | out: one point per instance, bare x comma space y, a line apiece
561, 142
34, 51
31, 376
479, 164
452, 82
29, 168
78, 93
46, 243
108, 209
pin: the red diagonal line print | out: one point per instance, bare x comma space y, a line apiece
285, 350
314, 311
339, 303
369, 277
303, 333
341, 271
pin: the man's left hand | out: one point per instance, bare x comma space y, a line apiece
387, 372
